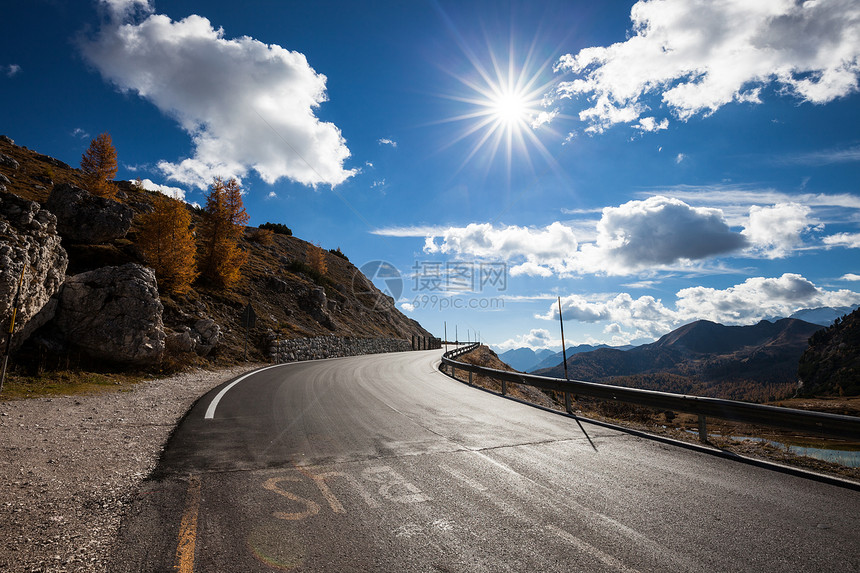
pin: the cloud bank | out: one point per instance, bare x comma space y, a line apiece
755, 299
653, 233
246, 105
699, 55
536, 339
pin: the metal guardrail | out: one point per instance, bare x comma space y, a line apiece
837, 425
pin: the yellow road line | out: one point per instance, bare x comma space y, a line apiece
188, 528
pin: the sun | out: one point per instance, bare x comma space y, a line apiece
505, 106
510, 108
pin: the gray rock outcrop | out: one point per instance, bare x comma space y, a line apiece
206, 335
202, 338
7, 161
113, 314
28, 241
86, 218
315, 303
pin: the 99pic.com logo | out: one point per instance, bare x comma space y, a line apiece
382, 275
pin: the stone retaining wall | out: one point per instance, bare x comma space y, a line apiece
293, 349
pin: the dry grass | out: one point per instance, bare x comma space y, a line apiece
66, 383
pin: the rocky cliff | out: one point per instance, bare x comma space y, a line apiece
88, 296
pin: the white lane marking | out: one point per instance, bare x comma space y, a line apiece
589, 549
210, 411
463, 478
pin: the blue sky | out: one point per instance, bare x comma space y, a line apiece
650, 163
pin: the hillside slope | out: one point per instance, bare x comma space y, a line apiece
288, 299
831, 363
754, 362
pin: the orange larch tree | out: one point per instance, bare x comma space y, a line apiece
98, 167
233, 199
316, 259
167, 243
221, 259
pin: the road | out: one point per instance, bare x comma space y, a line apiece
381, 463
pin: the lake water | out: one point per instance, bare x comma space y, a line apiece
845, 458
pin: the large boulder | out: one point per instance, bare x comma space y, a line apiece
86, 218
28, 241
113, 314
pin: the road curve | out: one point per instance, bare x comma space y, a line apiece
381, 463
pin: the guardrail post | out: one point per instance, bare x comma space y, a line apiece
470, 377
453, 372
504, 387
567, 405
703, 429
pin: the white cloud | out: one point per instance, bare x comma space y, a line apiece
826, 157
850, 277
407, 306
272, 195
80, 133
246, 105
639, 235
547, 246
174, 192
651, 124
698, 55
775, 231
658, 231
758, 298
536, 339
543, 118
848, 240
413, 231
530, 268
679, 158
122, 9
386, 141
735, 201
645, 317
11, 70
755, 299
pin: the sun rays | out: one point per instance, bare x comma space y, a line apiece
506, 106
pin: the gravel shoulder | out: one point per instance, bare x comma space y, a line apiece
69, 466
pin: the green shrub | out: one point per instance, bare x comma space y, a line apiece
338, 253
278, 228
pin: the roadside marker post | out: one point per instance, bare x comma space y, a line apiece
11, 328
567, 405
249, 320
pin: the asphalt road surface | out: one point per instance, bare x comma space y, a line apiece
381, 463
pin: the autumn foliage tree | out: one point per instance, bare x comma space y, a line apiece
167, 244
221, 259
98, 167
316, 259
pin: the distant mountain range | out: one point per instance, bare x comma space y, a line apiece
557, 358
703, 358
757, 362
524, 359
528, 360
823, 316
